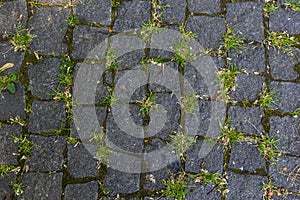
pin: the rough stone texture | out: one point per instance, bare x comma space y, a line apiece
175, 13
44, 78
246, 119
285, 20
12, 105
206, 6
287, 96
246, 156
286, 131
49, 25
6, 192
208, 29
47, 153
81, 162
248, 87
98, 11
213, 161
82, 191
200, 191
283, 65
245, 186
8, 55
250, 58
246, 19
284, 173
46, 116
286, 197
8, 147
41, 186
132, 15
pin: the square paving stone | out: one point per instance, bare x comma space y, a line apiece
283, 65
88, 191
132, 14
6, 192
41, 186
12, 105
49, 25
8, 55
245, 186
44, 78
286, 131
284, 173
209, 30
250, 58
246, 119
248, 87
285, 20
287, 96
81, 162
175, 13
8, 148
200, 191
204, 6
245, 156
98, 11
47, 153
246, 19
46, 116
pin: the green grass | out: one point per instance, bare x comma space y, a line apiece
265, 98
102, 152
183, 53
229, 134
294, 5
21, 39
147, 104
282, 40
111, 98
270, 6
231, 41
4, 169
268, 147
72, 20
24, 146
180, 143
189, 102
18, 188
176, 187
7, 82
206, 177
110, 58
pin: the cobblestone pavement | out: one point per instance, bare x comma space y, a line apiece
42, 155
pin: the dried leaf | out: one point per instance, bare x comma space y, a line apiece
6, 66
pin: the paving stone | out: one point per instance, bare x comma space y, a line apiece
206, 6
98, 11
245, 156
250, 58
130, 60
44, 78
287, 96
47, 153
49, 25
86, 38
12, 105
8, 55
175, 13
285, 20
81, 163
213, 161
286, 197
8, 148
11, 14
286, 131
246, 19
245, 186
6, 192
246, 119
82, 191
46, 116
209, 30
200, 191
284, 173
248, 87
283, 65
132, 15
41, 186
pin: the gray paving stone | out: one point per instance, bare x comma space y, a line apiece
209, 30
250, 58
46, 116
41, 186
47, 153
285, 20
287, 96
44, 78
246, 19
213, 162
98, 11
206, 6
8, 148
49, 25
200, 191
132, 15
12, 105
175, 13
6, 192
284, 173
245, 186
8, 55
248, 87
246, 119
82, 191
283, 65
81, 162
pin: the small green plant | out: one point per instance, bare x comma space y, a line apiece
294, 5
147, 103
268, 148
18, 188
66, 71
183, 52
115, 3
229, 134
231, 41
270, 190
189, 103
181, 142
1, 4
206, 177
8, 82
17, 120
72, 20
296, 112
186, 34
4, 169
110, 58
21, 39
111, 98
72, 141
265, 98
103, 151
282, 40
270, 6
24, 146
176, 187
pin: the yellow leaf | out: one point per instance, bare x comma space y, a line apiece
6, 66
